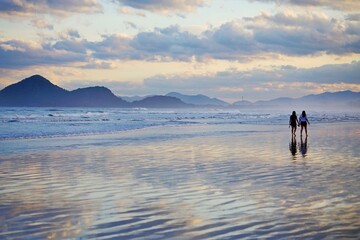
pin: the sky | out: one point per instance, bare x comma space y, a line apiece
228, 49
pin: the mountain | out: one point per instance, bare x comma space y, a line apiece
161, 102
37, 91
242, 103
95, 97
199, 99
336, 98
33, 91
133, 98
327, 99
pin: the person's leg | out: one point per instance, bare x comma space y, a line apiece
306, 130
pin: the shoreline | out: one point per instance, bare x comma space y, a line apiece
153, 133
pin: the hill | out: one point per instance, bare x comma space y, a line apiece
33, 91
327, 99
161, 102
95, 97
37, 91
199, 99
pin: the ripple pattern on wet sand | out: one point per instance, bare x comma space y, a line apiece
219, 187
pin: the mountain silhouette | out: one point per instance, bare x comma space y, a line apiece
37, 91
33, 91
95, 97
327, 99
161, 102
199, 99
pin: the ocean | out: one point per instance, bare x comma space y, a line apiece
55, 122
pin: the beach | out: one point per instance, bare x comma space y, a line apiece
208, 181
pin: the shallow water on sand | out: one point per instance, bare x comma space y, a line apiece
188, 182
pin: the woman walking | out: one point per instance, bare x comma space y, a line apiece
293, 122
303, 121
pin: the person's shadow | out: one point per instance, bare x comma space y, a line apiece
293, 147
303, 146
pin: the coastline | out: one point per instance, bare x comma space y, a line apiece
164, 133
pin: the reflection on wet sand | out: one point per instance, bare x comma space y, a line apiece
304, 146
293, 147
225, 186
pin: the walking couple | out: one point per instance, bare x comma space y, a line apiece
302, 121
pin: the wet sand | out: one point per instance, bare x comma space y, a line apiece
190, 182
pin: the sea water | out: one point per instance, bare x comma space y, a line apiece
54, 122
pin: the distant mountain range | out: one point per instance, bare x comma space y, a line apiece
199, 100
327, 99
37, 91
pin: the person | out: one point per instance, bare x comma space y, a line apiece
293, 122
303, 122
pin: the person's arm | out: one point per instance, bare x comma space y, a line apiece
307, 121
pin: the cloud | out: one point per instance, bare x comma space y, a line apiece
42, 23
302, 34
73, 33
68, 45
99, 65
128, 11
287, 33
19, 54
112, 47
120, 88
342, 5
167, 44
61, 8
265, 36
164, 6
130, 25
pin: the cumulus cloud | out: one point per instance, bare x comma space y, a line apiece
65, 7
164, 6
18, 54
112, 47
68, 45
342, 5
167, 44
287, 33
264, 36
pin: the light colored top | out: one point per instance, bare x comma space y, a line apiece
303, 118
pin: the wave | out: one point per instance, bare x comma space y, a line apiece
52, 122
